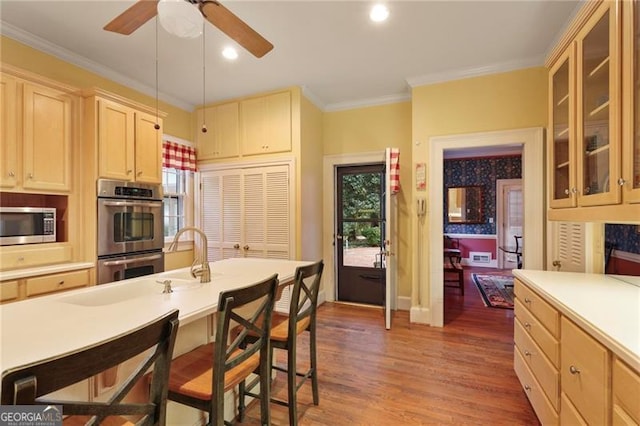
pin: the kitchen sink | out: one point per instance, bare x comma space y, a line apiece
110, 294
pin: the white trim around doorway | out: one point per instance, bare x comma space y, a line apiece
330, 162
532, 141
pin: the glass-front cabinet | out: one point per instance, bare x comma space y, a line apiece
561, 109
631, 102
598, 91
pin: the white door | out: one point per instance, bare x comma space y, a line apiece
509, 194
390, 243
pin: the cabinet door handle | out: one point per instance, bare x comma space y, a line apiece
246, 247
30, 176
11, 174
621, 182
140, 173
129, 172
574, 370
236, 246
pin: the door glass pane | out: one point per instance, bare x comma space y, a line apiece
361, 244
636, 85
561, 132
595, 108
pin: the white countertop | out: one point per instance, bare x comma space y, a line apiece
45, 327
44, 270
605, 306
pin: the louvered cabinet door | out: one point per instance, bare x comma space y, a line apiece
221, 213
568, 252
266, 212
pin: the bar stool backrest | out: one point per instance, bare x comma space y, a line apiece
28, 384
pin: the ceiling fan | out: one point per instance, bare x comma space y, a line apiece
218, 15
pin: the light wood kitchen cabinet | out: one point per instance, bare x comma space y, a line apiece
631, 102
8, 131
30, 255
56, 282
22, 288
8, 291
585, 373
36, 137
626, 394
537, 352
594, 167
222, 138
266, 124
129, 147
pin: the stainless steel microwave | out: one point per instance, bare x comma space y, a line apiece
27, 225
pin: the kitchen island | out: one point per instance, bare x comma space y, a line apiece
49, 326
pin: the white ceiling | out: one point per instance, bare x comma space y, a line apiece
330, 48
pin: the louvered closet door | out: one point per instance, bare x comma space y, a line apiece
221, 213
569, 247
266, 212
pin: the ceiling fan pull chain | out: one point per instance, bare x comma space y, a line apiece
204, 74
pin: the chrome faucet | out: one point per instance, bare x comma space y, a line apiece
203, 270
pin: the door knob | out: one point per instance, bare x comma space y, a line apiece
246, 247
236, 246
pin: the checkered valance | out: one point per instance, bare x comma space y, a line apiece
178, 156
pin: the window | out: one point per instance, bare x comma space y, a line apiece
174, 184
178, 167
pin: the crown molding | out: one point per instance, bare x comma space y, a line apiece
52, 49
460, 74
363, 103
313, 98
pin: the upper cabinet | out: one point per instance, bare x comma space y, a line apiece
222, 136
266, 124
246, 127
592, 133
36, 136
597, 102
128, 144
631, 102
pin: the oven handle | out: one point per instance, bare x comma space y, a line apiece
132, 204
128, 261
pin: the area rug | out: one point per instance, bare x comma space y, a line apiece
496, 290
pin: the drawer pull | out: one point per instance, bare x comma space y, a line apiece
527, 325
574, 370
527, 388
61, 282
527, 353
527, 300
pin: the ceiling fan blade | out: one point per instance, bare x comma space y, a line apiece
134, 17
235, 28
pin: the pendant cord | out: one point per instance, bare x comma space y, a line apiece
204, 75
157, 125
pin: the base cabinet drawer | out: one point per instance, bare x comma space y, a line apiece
547, 342
56, 282
545, 373
626, 394
8, 291
585, 368
545, 313
541, 405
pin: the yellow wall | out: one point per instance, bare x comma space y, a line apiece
309, 221
177, 123
374, 129
178, 259
511, 100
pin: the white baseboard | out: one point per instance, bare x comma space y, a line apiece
419, 315
403, 303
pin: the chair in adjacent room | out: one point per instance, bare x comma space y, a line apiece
201, 377
285, 330
30, 384
452, 268
518, 250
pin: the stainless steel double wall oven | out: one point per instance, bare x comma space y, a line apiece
130, 230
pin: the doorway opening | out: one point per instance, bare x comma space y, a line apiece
360, 230
509, 219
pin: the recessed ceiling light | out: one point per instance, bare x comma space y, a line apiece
379, 13
230, 53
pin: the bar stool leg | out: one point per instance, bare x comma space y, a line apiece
313, 363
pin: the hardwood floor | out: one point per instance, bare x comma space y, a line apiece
412, 374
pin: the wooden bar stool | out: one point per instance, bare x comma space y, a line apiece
201, 377
26, 385
284, 334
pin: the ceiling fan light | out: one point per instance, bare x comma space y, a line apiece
180, 18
